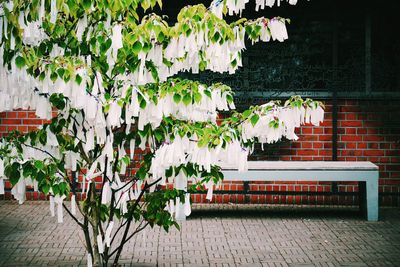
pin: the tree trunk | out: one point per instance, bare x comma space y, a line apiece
96, 255
94, 221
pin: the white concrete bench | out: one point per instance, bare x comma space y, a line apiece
364, 172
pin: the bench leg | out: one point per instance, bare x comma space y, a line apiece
362, 198
372, 197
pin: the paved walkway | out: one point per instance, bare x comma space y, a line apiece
216, 235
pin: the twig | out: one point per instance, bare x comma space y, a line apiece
129, 237
73, 216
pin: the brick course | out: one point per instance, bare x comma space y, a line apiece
367, 131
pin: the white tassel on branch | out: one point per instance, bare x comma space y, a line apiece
1, 186
132, 148
83, 184
106, 193
117, 37
59, 200
52, 212
1, 168
73, 205
187, 205
107, 237
53, 11
171, 207
89, 260
35, 186
210, 187
100, 244
1, 177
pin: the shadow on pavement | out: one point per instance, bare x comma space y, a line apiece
296, 212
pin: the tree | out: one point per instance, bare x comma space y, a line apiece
104, 75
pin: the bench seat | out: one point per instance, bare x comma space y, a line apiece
363, 172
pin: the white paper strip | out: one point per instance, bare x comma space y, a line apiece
60, 216
1, 168
187, 205
59, 200
52, 213
1, 186
53, 11
89, 260
132, 148
107, 238
100, 244
210, 187
73, 205
106, 193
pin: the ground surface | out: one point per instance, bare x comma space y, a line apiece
215, 235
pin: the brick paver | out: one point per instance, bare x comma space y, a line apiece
215, 235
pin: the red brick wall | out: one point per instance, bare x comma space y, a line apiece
367, 131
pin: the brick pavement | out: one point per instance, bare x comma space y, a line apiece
215, 235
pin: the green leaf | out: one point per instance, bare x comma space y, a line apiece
53, 76
254, 119
137, 47
146, 47
177, 98
177, 225
105, 46
207, 93
13, 173
107, 96
39, 164
45, 188
86, 4
40, 176
63, 188
14, 177
216, 37
197, 97
143, 104
273, 124
61, 72
202, 142
42, 76
168, 173
161, 37
20, 62
56, 189
126, 160
159, 135
234, 63
106, 108
78, 79
185, 27
141, 173
43, 138
27, 169
248, 30
229, 98
187, 99
246, 113
210, 25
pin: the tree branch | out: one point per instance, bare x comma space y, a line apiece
73, 216
44, 151
129, 237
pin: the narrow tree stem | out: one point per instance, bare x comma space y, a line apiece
129, 220
87, 235
72, 216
